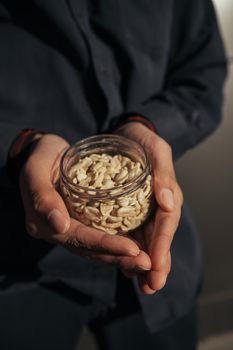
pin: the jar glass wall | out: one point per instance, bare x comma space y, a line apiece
115, 210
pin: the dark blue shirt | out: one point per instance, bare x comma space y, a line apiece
73, 68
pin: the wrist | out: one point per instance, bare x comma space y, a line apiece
134, 118
20, 150
140, 120
134, 130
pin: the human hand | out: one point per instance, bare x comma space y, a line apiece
47, 217
155, 237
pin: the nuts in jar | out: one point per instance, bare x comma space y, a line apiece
106, 183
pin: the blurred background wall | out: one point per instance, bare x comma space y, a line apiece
206, 176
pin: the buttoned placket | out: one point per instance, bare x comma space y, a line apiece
102, 65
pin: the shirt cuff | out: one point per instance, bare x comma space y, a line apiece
19, 152
132, 118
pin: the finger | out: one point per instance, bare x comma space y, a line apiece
83, 239
40, 198
157, 279
159, 242
167, 192
42, 166
143, 285
165, 183
128, 274
141, 262
42, 230
45, 207
32, 228
136, 271
82, 236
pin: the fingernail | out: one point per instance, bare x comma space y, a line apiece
31, 228
130, 274
143, 268
58, 221
134, 252
167, 198
152, 291
164, 282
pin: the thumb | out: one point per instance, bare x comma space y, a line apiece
49, 209
164, 177
160, 154
165, 197
43, 205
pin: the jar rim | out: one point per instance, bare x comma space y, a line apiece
123, 187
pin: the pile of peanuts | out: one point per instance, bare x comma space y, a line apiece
117, 214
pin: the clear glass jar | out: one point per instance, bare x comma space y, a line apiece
115, 210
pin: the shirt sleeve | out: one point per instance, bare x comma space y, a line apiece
189, 106
18, 80
32, 88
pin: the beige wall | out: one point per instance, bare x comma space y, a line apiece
206, 176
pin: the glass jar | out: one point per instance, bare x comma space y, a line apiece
115, 210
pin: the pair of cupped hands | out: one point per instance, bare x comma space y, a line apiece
144, 254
